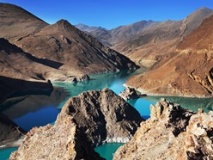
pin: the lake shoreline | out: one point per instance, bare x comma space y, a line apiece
145, 92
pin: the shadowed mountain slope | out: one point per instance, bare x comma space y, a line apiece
16, 22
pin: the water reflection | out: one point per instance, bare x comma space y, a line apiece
19, 106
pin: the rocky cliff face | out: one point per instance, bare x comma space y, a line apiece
171, 133
103, 116
88, 119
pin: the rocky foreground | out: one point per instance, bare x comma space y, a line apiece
86, 120
171, 133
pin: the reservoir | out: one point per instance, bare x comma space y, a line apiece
32, 110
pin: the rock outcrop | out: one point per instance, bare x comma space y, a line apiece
63, 141
89, 119
10, 133
171, 133
103, 116
129, 93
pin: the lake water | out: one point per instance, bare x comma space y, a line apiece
29, 111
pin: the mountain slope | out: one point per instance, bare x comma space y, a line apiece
76, 50
188, 72
15, 63
162, 37
16, 22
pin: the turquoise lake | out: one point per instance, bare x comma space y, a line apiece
31, 110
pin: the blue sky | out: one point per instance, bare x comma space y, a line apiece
110, 13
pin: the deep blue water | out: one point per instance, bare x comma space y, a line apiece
38, 110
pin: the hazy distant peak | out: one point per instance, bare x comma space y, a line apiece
204, 9
195, 19
201, 12
87, 28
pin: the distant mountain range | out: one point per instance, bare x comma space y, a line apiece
140, 40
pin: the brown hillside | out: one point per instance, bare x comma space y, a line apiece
56, 52
147, 42
201, 38
16, 63
76, 50
16, 22
187, 72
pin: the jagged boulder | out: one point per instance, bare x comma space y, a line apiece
129, 93
103, 116
171, 133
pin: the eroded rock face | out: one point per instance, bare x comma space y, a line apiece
85, 120
103, 116
129, 93
171, 133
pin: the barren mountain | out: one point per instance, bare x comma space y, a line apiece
187, 72
162, 37
65, 51
76, 50
147, 42
16, 63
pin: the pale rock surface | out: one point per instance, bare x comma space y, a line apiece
171, 133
